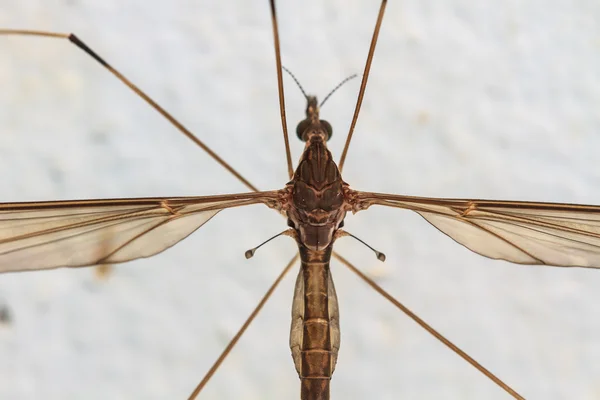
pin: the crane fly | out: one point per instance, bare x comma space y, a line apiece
43, 235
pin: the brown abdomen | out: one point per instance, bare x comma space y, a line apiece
315, 334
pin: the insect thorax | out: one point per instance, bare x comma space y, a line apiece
317, 198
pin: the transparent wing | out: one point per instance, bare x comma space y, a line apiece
44, 235
565, 235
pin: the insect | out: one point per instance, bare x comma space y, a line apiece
338, 285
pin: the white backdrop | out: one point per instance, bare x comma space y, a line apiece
489, 100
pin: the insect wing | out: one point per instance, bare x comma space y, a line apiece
564, 235
90, 232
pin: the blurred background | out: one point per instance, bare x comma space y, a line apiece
497, 100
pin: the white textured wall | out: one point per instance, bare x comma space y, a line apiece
481, 99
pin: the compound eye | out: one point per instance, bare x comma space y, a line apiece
328, 128
301, 128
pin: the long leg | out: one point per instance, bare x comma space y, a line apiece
286, 139
429, 329
241, 331
363, 83
77, 42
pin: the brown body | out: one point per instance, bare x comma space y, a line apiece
316, 210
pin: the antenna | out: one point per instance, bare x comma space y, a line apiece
337, 87
295, 80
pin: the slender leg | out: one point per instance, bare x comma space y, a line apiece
286, 139
241, 331
429, 329
77, 42
363, 83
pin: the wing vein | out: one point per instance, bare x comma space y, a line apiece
565, 235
